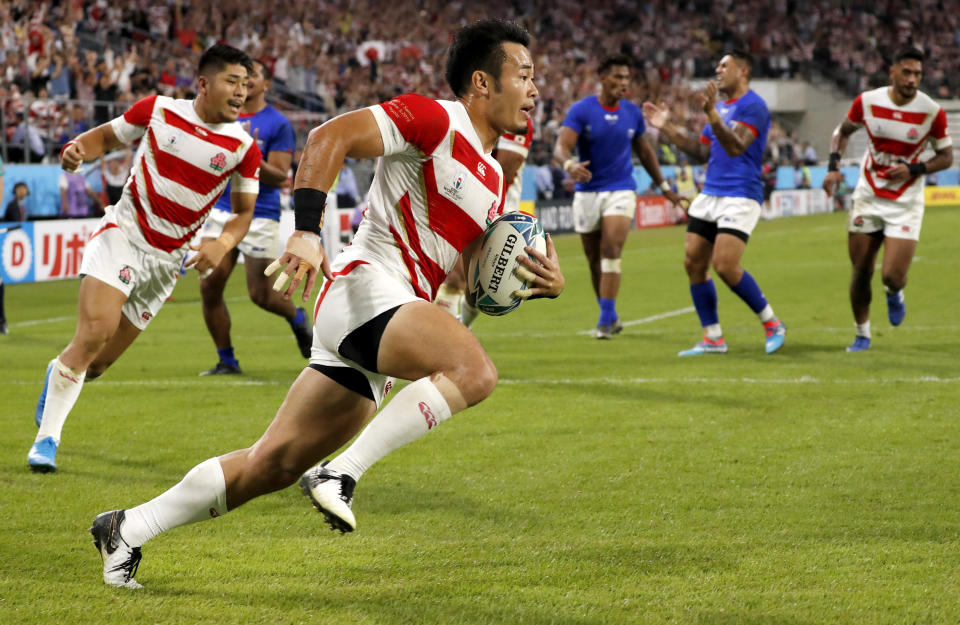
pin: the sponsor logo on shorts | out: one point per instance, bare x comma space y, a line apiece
905, 228
218, 162
858, 221
213, 513
427, 415
125, 274
386, 388
146, 315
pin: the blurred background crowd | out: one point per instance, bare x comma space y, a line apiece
69, 65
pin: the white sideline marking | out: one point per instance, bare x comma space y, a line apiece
650, 319
206, 383
34, 322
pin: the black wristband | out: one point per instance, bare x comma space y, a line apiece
834, 164
917, 169
308, 206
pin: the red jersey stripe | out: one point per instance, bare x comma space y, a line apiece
409, 264
169, 210
183, 172
889, 194
139, 114
895, 146
447, 219
464, 153
433, 272
157, 239
907, 117
421, 121
107, 227
228, 143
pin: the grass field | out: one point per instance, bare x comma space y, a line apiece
603, 482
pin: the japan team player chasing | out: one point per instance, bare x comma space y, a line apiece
888, 200
374, 316
189, 151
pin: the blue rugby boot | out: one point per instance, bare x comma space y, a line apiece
776, 333
42, 456
896, 307
860, 344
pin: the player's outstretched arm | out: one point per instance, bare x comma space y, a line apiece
543, 273
563, 155
659, 118
838, 144
211, 251
88, 146
355, 134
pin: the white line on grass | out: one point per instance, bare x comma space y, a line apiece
206, 383
650, 319
34, 322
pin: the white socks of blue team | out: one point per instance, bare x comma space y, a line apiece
61, 390
415, 410
201, 494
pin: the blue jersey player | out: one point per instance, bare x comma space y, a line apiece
274, 137
724, 215
604, 129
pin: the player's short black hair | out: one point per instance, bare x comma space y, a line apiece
219, 55
743, 57
21, 184
264, 69
614, 60
479, 46
909, 52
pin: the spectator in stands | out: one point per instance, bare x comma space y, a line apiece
801, 174
76, 196
17, 207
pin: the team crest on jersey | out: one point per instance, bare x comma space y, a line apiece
913, 134
125, 274
218, 162
492, 213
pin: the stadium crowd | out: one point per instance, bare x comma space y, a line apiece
338, 55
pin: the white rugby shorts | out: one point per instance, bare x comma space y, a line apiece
590, 207
899, 220
732, 213
145, 279
359, 292
261, 241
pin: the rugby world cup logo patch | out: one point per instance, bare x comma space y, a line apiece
125, 274
218, 162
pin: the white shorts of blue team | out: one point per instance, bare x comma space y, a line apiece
145, 278
731, 213
899, 220
590, 207
261, 241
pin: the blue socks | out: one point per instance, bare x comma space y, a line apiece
705, 301
750, 292
608, 311
226, 356
298, 319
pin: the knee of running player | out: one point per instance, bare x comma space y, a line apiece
259, 292
474, 375
728, 268
611, 250
894, 279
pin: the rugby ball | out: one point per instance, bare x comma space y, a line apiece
490, 273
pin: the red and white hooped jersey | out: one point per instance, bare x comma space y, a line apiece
432, 195
898, 134
521, 145
179, 171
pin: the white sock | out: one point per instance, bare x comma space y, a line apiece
63, 388
200, 495
863, 329
415, 410
767, 314
713, 332
467, 312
